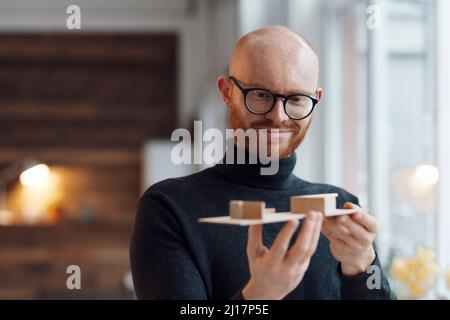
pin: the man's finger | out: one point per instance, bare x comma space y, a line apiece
369, 222
333, 229
357, 231
361, 217
337, 245
337, 228
315, 238
300, 248
342, 233
254, 241
281, 242
327, 226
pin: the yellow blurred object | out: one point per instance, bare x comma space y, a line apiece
418, 273
38, 197
447, 278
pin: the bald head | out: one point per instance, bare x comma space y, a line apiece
278, 58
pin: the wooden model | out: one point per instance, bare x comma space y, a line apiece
244, 213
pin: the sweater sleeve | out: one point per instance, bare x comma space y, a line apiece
369, 285
238, 296
161, 264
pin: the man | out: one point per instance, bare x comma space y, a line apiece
272, 85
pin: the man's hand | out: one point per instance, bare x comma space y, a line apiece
351, 238
276, 272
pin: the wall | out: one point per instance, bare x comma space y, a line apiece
84, 103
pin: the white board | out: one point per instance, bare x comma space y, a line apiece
269, 218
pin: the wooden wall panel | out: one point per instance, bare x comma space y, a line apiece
65, 98
34, 261
84, 104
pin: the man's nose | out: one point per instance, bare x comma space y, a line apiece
277, 114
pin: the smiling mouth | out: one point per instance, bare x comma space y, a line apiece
275, 130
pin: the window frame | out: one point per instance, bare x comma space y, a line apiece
442, 92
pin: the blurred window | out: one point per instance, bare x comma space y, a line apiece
383, 114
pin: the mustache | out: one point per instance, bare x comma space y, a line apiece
268, 124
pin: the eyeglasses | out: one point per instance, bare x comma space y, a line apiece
261, 101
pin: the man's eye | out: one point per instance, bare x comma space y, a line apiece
298, 100
261, 95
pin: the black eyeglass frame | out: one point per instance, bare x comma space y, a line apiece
245, 92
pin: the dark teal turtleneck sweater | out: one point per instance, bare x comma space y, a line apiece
175, 257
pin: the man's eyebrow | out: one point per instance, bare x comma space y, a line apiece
260, 86
303, 92
254, 85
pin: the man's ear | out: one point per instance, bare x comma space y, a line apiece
224, 86
319, 94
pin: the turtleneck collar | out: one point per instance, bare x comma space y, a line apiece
250, 174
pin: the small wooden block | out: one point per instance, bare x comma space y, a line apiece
270, 210
325, 203
235, 209
253, 209
247, 209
